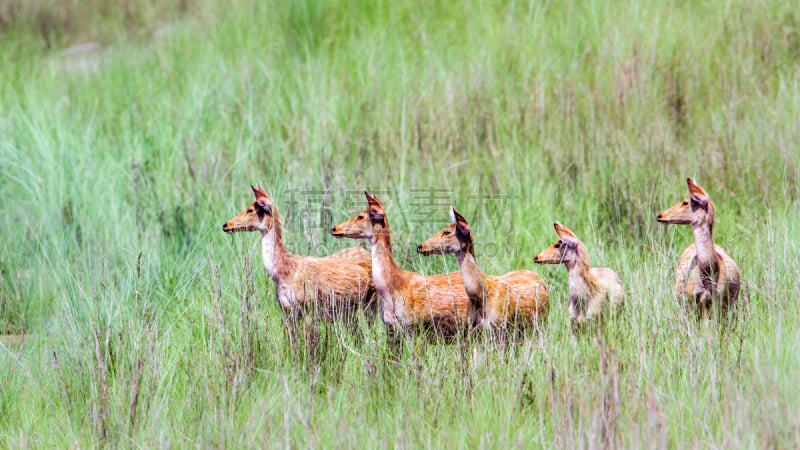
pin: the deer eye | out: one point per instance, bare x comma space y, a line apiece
557, 244
446, 232
250, 210
360, 217
685, 203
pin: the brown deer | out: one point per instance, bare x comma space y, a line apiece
435, 303
591, 289
705, 272
336, 286
518, 298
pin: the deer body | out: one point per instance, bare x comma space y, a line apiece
518, 298
689, 279
336, 286
592, 290
436, 303
705, 271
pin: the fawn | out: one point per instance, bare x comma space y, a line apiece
518, 298
590, 288
705, 271
336, 286
436, 303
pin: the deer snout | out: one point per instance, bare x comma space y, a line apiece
419, 248
536, 259
226, 227
658, 217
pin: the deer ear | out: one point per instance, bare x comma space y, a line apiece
696, 189
258, 191
456, 216
462, 226
698, 195
373, 201
563, 232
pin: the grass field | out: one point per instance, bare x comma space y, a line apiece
149, 327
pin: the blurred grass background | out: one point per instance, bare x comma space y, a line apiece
129, 131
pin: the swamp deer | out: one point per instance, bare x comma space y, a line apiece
590, 288
705, 271
436, 303
336, 286
518, 298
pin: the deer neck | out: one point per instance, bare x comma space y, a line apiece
474, 282
385, 273
707, 261
276, 259
582, 286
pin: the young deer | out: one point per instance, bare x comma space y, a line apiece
590, 288
705, 271
517, 298
436, 303
336, 286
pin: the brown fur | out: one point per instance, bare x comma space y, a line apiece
705, 272
336, 286
517, 298
408, 300
591, 289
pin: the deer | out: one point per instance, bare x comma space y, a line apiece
408, 300
705, 272
336, 286
518, 298
592, 290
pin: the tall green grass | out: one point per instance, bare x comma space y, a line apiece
153, 328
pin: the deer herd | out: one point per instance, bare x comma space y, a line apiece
353, 281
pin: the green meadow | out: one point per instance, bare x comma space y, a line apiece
130, 131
